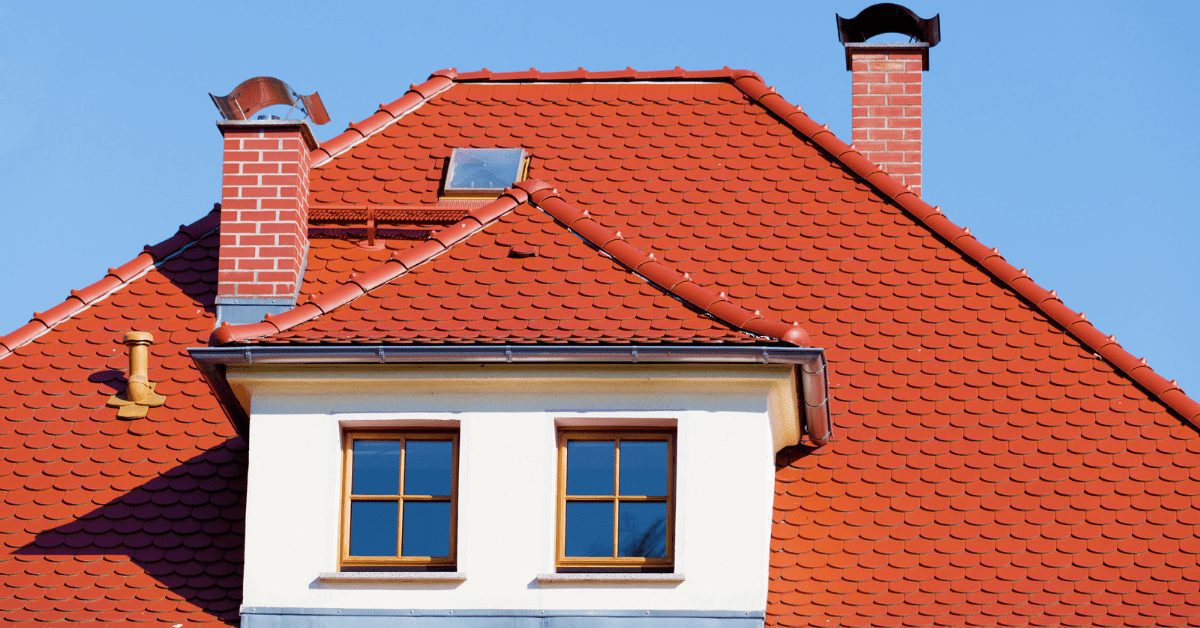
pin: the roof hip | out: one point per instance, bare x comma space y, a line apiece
990, 260
753, 86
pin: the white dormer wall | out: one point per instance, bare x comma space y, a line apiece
507, 417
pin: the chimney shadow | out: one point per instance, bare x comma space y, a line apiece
184, 528
194, 271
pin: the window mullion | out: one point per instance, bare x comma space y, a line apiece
400, 503
616, 497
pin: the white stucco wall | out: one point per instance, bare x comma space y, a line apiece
507, 418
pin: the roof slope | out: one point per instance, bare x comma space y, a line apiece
661, 122
565, 292
103, 520
998, 461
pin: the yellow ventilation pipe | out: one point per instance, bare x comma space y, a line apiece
139, 395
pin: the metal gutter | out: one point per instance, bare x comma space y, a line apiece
809, 363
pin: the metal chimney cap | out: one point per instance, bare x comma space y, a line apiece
887, 17
254, 94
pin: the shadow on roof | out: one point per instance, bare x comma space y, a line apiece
184, 528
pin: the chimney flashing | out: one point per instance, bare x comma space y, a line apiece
237, 311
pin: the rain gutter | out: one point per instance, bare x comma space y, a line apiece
808, 363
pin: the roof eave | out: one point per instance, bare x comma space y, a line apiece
809, 364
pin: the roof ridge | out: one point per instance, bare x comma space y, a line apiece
441, 80
356, 132
541, 195
122, 275
959, 238
580, 74
716, 304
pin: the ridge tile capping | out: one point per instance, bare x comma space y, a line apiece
115, 278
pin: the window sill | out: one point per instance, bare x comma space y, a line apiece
610, 578
390, 577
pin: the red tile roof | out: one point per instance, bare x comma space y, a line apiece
116, 278
562, 295
105, 520
999, 461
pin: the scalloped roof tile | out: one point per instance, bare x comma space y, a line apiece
999, 461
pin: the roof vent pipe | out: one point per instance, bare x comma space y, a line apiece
139, 395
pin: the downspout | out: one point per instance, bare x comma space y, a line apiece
814, 400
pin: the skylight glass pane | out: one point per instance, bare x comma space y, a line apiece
483, 169
376, 467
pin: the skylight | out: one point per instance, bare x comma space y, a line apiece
483, 170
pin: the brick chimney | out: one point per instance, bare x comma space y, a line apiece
885, 102
264, 217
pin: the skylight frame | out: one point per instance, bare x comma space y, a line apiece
521, 173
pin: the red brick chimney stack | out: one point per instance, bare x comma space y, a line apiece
885, 101
264, 217
885, 108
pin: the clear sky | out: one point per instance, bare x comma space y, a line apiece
1063, 133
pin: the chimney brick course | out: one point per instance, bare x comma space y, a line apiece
264, 213
885, 107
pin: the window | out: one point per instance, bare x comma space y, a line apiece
616, 499
480, 171
400, 501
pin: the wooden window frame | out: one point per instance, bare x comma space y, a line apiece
615, 563
348, 562
483, 194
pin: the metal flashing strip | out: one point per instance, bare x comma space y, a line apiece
272, 617
809, 364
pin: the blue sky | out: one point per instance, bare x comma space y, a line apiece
1065, 134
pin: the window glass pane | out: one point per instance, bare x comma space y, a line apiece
373, 528
484, 168
590, 467
644, 467
427, 467
642, 530
376, 467
589, 529
426, 528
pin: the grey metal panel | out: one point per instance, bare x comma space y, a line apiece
258, 617
240, 313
